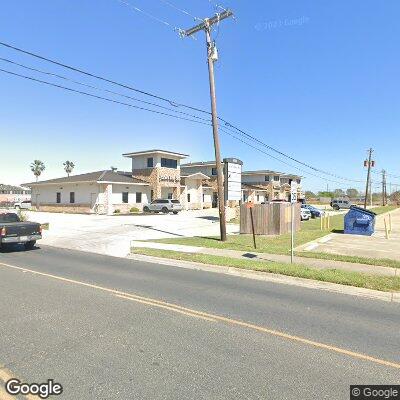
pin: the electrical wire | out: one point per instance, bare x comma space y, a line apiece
102, 98
175, 104
101, 89
180, 10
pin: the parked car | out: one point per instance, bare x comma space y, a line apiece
14, 231
23, 205
315, 212
305, 214
164, 206
338, 204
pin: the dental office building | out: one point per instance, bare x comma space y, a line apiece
154, 174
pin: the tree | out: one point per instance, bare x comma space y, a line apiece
338, 193
395, 197
309, 194
325, 194
68, 167
37, 167
352, 193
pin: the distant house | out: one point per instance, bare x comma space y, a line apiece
11, 194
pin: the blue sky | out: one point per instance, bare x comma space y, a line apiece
317, 80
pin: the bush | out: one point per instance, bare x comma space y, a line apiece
134, 210
22, 216
117, 211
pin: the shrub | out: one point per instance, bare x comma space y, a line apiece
117, 211
22, 216
134, 210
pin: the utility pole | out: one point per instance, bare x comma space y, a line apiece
212, 57
384, 194
368, 163
370, 192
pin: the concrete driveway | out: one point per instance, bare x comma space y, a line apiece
111, 235
376, 246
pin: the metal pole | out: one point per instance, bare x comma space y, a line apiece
368, 178
220, 183
292, 234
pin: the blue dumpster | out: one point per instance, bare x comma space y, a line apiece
359, 221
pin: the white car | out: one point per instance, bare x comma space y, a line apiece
305, 214
163, 205
23, 205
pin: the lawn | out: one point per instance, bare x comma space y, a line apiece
375, 282
310, 230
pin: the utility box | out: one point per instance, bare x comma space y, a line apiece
269, 219
359, 221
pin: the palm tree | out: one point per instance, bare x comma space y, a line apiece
68, 167
37, 167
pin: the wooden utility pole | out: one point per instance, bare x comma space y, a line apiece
212, 57
384, 194
369, 163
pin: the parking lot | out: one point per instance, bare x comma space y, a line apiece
111, 235
376, 246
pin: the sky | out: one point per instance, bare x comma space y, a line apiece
317, 80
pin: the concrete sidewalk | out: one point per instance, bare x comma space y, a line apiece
254, 256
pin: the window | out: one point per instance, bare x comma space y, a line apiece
298, 181
150, 162
188, 198
125, 197
258, 198
175, 201
169, 196
58, 198
138, 197
214, 171
169, 163
266, 178
276, 178
151, 195
204, 196
72, 197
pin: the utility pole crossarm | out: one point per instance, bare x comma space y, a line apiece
208, 22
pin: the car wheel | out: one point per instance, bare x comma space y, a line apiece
336, 207
30, 245
165, 210
175, 212
146, 209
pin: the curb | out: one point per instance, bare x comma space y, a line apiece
274, 278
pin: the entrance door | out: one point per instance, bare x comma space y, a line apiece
215, 200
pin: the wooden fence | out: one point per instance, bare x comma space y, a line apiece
269, 219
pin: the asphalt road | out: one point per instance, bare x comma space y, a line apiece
112, 328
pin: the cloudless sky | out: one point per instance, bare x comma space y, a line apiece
318, 80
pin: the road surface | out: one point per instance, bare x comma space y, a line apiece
113, 328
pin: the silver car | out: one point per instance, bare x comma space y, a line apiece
164, 206
338, 204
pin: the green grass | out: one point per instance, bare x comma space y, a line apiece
375, 282
310, 230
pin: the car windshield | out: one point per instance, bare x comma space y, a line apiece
9, 217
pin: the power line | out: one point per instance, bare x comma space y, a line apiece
175, 104
151, 16
102, 98
276, 158
171, 102
100, 89
180, 10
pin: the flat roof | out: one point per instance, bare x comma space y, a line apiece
269, 172
199, 164
155, 151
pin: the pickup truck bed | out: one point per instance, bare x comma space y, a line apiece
12, 230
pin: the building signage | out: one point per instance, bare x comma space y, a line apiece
171, 179
233, 179
293, 192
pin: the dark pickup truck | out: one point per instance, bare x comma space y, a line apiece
13, 231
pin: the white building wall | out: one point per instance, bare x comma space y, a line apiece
205, 169
132, 190
255, 178
140, 162
47, 194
